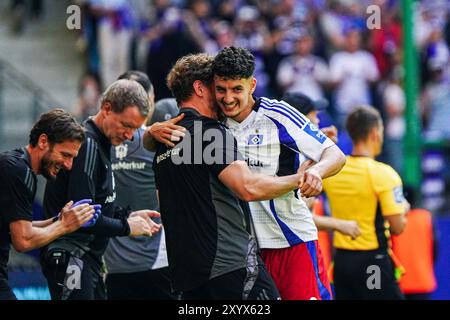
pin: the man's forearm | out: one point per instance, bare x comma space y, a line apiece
262, 187
325, 223
42, 223
24, 239
250, 186
331, 162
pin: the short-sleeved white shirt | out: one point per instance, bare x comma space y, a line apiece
274, 140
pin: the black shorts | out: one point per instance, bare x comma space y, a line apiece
145, 285
72, 278
366, 275
242, 284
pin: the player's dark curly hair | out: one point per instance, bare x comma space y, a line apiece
361, 121
59, 126
186, 71
234, 63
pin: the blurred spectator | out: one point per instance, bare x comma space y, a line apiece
90, 36
394, 102
428, 16
89, 92
303, 72
226, 9
169, 39
23, 10
436, 100
224, 36
114, 37
332, 23
435, 52
252, 33
141, 11
386, 41
288, 18
352, 71
200, 24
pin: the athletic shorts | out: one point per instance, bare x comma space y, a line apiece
298, 271
242, 284
367, 275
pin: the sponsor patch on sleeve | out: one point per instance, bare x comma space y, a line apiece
398, 195
314, 132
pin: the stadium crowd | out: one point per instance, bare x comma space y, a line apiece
320, 48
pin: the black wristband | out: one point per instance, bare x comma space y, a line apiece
126, 226
120, 212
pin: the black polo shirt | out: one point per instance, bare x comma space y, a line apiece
205, 225
17, 191
91, 177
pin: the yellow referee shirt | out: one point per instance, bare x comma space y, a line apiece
365, 190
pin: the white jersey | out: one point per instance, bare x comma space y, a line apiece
274, 140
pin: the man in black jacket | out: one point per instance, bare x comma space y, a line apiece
54, 142
73, 264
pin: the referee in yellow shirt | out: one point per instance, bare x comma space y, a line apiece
371, 193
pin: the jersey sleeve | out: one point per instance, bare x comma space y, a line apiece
295, 131
388, 187
81, 182
20, 195
219, 149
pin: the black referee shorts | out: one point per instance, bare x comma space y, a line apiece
365, 275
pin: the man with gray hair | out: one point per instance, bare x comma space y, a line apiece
137, 267
72, 264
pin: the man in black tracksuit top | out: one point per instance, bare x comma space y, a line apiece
54, 142
211, 253
72, 264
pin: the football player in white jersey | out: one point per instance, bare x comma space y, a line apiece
310, 109
276, 139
